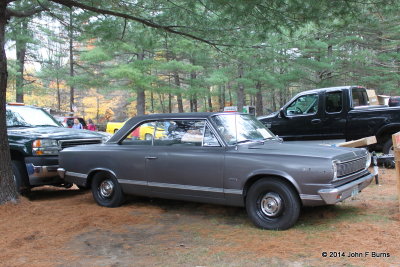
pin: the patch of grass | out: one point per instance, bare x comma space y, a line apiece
322, 219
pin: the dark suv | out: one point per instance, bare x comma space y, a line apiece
35, 139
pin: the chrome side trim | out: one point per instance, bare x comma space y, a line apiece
134, 182
233, 191
182, 187
76, 174
187, 187
310, 197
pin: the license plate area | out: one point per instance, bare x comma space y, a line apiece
354, 191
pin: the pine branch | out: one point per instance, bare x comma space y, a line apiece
71, 3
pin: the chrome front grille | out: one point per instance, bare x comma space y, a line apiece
77, 142
352, 166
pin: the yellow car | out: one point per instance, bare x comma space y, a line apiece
143, 132
113, 127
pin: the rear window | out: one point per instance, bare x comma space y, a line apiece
359, 97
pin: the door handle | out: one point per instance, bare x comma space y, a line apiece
315, 121
150, 157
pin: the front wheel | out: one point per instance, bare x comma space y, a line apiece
106, 190
20, 176
272, 204
388, 147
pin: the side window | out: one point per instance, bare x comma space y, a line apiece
333, 102
141, 135
180, 133
303, 105
359, 97
210, 139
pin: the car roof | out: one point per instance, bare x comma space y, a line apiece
329, 89
129, 124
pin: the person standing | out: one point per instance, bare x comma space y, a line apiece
91, 125
77, 124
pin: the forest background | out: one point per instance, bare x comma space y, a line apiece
106, 68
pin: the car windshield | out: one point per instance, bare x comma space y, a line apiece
20, 116
241, 128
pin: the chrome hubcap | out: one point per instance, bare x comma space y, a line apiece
271, 204
106, 188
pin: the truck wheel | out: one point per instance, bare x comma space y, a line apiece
388, 147
106, 190
148, 137
20, 176
272, 204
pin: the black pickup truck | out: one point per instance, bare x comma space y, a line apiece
335, 113
35, 139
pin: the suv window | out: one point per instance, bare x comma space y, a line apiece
305, 104
333, 102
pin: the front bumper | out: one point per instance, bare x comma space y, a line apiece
337, 194
42, 171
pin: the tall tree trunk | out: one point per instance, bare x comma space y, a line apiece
161, 97
273, 94
240, 90
8, 190
259, 100
221, 97
210, 107
140, 94
151, 102
97, 109
169, 103
58, 93
229, 87
71, 62
20, 46
178, 95
193, 97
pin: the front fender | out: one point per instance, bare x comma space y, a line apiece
271, 172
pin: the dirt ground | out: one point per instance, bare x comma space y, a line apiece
64, 227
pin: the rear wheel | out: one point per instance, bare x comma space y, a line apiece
148, 137
106, 190
272, 204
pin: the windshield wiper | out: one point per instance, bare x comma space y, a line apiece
249, 140
269, 138
46, 125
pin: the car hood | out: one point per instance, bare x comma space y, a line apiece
53, 133
273, 114
306, 150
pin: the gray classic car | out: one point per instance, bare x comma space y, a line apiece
221, 158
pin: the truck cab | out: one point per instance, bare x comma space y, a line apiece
333, 115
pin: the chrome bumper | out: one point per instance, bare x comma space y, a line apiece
334, 195
61, 172
41, 171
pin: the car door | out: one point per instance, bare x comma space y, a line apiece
186, 160
129, 163
335, 115
301, 119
